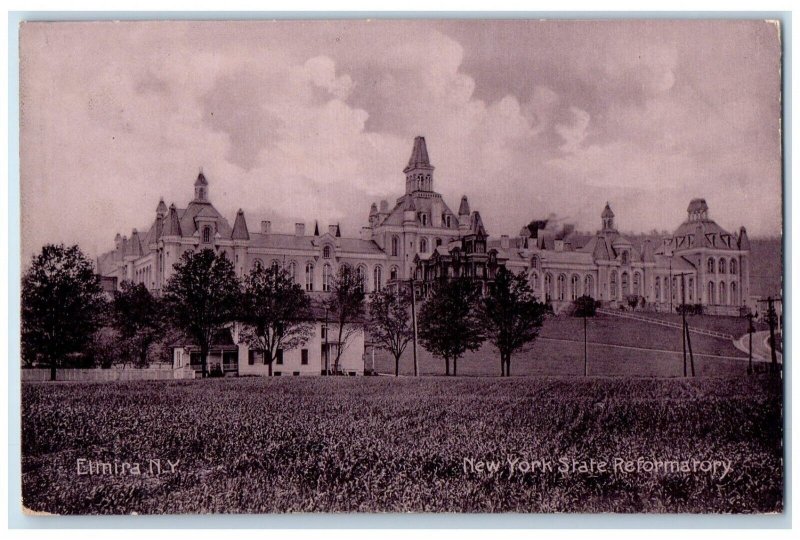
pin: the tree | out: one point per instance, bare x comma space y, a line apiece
137, 317
346, 307
62, 306
450, 323
512, 315
585, 306
275, 313
202, 297
390, 321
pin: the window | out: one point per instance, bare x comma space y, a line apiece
275, 264
732, 266
309, 277
395, 246
613, 285
535, 262
279, 357
447, 221
734, 298
588, 286
326, 278
535, 281
361, 274
423, 245
637, 286
625, 257
548, 285
439, 241
562, 287
304, 357
575, 286
206, 234
257, 263
377, 279
251, 357
711, 293
393, 273
710, 265
722, 269
292, 271
690, 292
424, 220
326, 252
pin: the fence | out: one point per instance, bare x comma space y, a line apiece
103, 375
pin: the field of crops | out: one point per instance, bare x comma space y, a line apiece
384, 444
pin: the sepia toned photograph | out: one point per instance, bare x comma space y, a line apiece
401, 266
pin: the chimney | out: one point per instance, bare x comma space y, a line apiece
332, 230
384, 206
504, 241
559, 245
366, 233
299, 229
266, 227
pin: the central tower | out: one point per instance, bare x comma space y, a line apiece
419, 171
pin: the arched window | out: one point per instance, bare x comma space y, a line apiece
393, 273
377, 279
625, 257
674, 288
562, 287
711, 296
575, 285
395, 246
309, 277
588, 286
423, 217
292, 270
690, 291
723, 293
722, 265
275, 264
613, 285
326, 252
732, 266
423, 245
637, 284
534, 281
439, 241
206, 234
626, 286
326, 278
658, 289
535, 262
258, 263
361, 274
734, 297
710, 265
548, 285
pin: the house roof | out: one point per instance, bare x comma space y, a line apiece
240, 231
419, 156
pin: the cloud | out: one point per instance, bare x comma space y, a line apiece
297, 121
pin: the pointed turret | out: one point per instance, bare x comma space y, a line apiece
135, 245
172, 226
744, 242
201, 187
463, 208
316, 228
608, 218
161, 209
240, 231
419, 171
338, 231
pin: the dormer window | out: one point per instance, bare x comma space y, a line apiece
326, 252
446, 221
423, 218
206, 235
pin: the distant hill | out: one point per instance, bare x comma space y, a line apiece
766, 267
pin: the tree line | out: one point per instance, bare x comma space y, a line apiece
67, 321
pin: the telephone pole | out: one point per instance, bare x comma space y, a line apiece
414, 324
750, 330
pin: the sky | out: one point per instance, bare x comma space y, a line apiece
310, 121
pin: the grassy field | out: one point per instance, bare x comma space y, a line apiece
617, 347
383, 444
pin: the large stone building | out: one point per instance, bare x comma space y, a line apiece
420, 237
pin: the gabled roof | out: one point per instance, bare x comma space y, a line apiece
172, 226
476, 224
206, 210
201, 179
240, 231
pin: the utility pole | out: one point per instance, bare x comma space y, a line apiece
414, 324
750, 330
683, 318
585, 350
771, 316
327, 348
